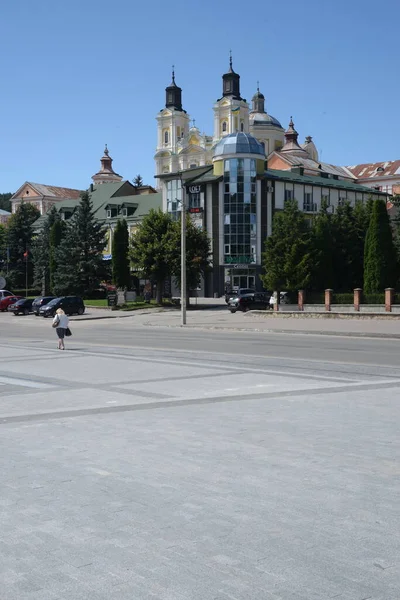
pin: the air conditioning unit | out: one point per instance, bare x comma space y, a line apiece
109, 214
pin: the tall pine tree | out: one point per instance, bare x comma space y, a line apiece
380, 261
287, 256
19, 240
121, 272
41, 253
80, 264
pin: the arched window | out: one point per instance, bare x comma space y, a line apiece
166, 137
242, 126
224, 126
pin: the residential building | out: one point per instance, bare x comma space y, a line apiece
382, 176
42, 196
4, 216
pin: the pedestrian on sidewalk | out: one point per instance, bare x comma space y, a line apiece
60, 323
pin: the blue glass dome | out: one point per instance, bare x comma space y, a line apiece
238, 143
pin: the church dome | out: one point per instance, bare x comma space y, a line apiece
258, 118
238, 143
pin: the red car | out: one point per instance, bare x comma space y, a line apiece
5, 303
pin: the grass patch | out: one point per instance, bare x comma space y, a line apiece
98, 302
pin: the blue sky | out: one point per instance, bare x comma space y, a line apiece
78, 74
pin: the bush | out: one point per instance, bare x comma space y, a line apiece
373, 299
347, 298
315, 298
30, 292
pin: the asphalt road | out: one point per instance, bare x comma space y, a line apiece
164, 463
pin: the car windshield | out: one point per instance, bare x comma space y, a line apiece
53, 302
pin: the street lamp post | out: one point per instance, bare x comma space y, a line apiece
183, 256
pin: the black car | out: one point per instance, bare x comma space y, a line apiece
239, 292
70, 304
21, 307
40, 301
255, 301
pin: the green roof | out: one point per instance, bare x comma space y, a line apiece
116, 193
276, 174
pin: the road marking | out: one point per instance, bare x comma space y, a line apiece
24, 383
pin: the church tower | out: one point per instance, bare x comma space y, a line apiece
263, 126
172, 127
106, 173
231, 112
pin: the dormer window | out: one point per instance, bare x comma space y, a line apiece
380, 170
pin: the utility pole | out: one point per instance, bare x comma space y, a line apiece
183, 256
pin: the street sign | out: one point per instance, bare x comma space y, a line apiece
112, 298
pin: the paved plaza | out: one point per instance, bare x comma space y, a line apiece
197, 465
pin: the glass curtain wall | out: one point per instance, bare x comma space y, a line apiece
174, 198
240, 221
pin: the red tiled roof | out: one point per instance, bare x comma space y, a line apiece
370, 170
58, 192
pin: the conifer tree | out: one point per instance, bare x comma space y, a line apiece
80, 264
41, 253
121, 273
19, 240
323, 250
380, 264
287, 256
138, 181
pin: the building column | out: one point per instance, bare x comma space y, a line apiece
328, 299
388, 299
357, 299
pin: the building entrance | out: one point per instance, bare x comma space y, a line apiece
240, 278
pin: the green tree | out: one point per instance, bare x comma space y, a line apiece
5, 203
41, 253
56, 235
80, 264
152, 248
344, 258
323, 250
121, 272
198, 255
19, 239
287, 255
138, 181
380, 264
3, 246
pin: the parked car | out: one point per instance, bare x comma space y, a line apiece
255, 301
7, 300
70, 304
21, 307
40, 301
5, 294
239, 292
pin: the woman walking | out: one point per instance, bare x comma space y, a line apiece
60, 322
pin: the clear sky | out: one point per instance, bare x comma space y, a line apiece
78, 74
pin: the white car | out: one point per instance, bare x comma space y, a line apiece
5, 294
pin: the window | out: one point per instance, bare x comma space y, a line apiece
174, 198
224, 126
241, 126
192, 165
166, 137
288, 195
227, 249
342, 200
194, 200
325, 199
307, 204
